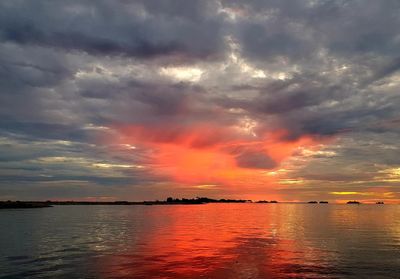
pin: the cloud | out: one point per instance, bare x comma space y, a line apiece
255, 160
142, 29
230, 93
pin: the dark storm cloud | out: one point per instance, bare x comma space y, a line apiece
139, 28
296, 94
133, 101
386, 70
298, 29
30, 71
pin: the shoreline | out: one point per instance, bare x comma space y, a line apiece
43, 204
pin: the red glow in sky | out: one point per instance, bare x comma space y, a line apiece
210, 155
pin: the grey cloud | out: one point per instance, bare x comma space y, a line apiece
384, 71
31, 67
297, 29
255, 160
138, 29
37, 130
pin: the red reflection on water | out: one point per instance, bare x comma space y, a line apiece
215, 241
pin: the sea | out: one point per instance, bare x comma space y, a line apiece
201, 241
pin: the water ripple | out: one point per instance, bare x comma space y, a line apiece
210, 241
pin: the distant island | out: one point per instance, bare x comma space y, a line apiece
20, 204
353, 202
267, 201
168, 201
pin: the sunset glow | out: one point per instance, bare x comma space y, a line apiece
206, 154
141, 100
216, 139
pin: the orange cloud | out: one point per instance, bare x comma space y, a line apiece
209, 154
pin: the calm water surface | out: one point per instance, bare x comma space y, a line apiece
201, 241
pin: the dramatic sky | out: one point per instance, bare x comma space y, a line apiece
133, 100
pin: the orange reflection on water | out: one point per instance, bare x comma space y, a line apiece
216, 241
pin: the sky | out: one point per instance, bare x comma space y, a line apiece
142, 100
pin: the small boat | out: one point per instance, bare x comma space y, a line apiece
323, 202
380, 202
353, 202
312, 202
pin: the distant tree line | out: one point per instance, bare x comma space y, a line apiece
201, 200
